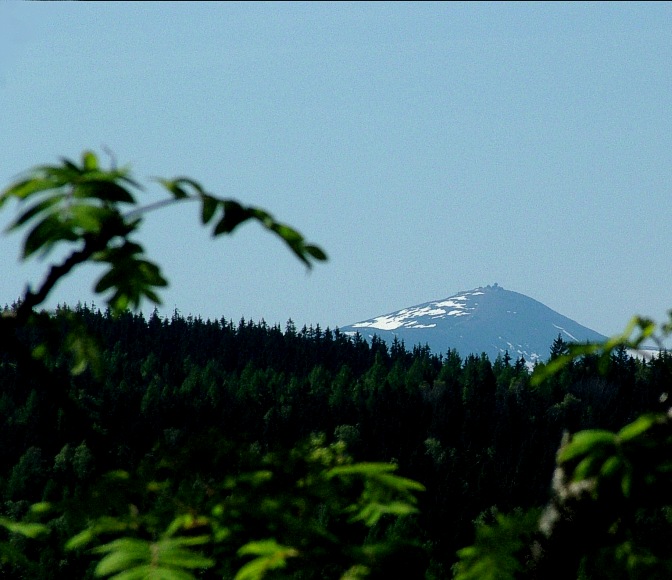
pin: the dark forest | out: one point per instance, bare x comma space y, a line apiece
186, 405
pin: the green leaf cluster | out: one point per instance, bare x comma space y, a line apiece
499, 549
638, 331
609, 480
384, 493
136, 559
304, 511
267, 555
636, 459
85, 205
70, 203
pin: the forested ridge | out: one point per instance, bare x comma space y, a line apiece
190, 402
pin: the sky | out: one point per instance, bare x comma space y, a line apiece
428, 148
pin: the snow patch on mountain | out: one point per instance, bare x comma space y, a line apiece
573, 338
407, 317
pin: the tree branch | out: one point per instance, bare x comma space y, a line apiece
56, 272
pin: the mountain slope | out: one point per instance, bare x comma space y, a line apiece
489, 319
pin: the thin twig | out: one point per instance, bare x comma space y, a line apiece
156, 205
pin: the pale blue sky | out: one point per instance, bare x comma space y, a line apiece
429, 148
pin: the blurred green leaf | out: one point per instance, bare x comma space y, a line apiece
40, 507
315, 252
163, 559
494, 554
611, 466
109, 280
26, 188
380, 471
173, 187
102, 189
30, 530
544, 371
45, 234
208, 209
35, 210
103, 525
85, 351
638, 426
585, 442
361, 469
187, 522
358, 572
89, 160
192, 183
269, 556
80, 540
587, 467
234, 215
288, 234
371, 512
170, 554
89, 218
122, 554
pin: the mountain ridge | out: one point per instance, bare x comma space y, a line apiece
487, 319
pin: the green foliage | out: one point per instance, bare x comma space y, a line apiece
605, 483
10, 552
380, 493
638, 455
27, 529
268, 555
497, 550
638, 331
284, 516
167, 559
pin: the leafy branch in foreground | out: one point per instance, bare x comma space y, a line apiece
28, 528
637, 332
608, 489
497, 550
306, 512
81, 205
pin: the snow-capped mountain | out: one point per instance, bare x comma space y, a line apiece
488, 319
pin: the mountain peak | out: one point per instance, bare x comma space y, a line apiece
486, 319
